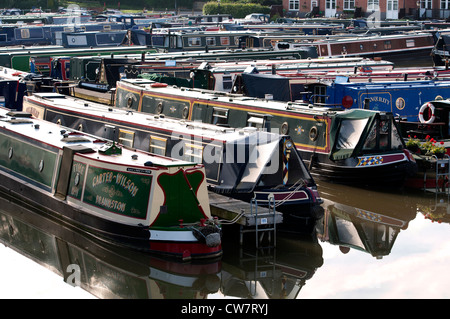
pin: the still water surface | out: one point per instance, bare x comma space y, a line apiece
368, 245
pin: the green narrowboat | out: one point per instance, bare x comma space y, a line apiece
345, 146
126, 197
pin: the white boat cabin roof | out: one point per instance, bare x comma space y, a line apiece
204, 130
59, 136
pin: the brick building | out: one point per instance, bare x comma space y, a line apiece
382, 9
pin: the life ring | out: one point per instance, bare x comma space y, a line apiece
423, 108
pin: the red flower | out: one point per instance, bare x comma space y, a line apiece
441, 142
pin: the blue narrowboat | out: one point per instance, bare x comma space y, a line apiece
48, 34
402, 98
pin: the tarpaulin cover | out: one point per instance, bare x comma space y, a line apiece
258, 85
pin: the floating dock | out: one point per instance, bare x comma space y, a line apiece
249, 216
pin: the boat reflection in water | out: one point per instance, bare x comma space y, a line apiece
108, 271
104, 271
369, 221
271, 274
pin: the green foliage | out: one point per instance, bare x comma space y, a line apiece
237, 10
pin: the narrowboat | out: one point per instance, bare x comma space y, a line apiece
295, 28
241, 163
221, 76
429, 141
11, 35
295, 85
125, 197
389, 46
347, 146
402, 98
20, 59
440, 52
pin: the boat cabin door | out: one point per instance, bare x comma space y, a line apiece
110, 132
330, 8
392, 9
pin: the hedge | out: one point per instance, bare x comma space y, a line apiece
237, 10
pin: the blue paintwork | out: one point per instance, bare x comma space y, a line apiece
401, 98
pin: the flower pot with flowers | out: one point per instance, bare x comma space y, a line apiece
413, 144
430, 147
439, 151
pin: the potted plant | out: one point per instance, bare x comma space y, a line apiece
439, 151
413, 144
430, 148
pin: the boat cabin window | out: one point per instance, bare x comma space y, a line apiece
227, 82
126, 138
387, 44
350, 133
220, 116
224, 41
194, 42
25, 33
383, 135
193, 153
157, 145
210, 41
255, 120
410, 43
319, 96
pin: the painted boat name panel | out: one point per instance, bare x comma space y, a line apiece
118, 192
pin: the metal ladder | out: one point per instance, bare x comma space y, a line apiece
442, 170
262, 221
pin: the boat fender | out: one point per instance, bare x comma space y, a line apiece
208, 234
213, 240
431, 111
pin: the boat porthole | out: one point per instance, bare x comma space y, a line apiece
159, 108
80, 127
77, 179
41, 165
284, 128
185, 112
313, 133
130, 102
10, 153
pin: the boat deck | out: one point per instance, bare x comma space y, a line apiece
239, 211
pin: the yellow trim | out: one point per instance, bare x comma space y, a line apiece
228, 106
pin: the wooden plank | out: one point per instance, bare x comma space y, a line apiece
229, 208
94, 96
